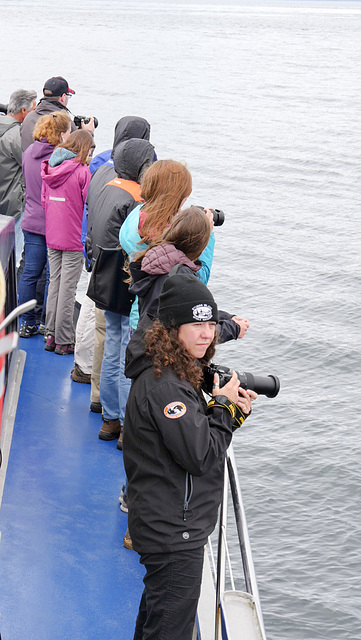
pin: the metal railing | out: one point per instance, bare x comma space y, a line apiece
237, 613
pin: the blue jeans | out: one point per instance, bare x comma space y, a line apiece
36, 258
114, 386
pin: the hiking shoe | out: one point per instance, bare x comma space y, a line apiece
28, 330
123, 500
64, 349
50, 343
110, 429
120, 441
128, 541
42, 329
96, 407
79, 376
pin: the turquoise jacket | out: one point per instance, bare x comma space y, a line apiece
129, 239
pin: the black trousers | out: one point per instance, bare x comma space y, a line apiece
169, 602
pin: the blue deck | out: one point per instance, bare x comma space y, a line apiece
64, 573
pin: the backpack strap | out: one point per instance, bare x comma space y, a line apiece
174, 270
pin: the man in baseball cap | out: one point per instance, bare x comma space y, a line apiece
56, 97
56, 87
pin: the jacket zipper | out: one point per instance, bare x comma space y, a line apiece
188, 494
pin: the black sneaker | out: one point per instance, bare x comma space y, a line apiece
42, 329
96, 407
28, 330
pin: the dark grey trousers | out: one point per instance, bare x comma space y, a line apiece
65, 270
169, 602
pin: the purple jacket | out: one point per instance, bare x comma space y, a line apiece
64, 192
34, 214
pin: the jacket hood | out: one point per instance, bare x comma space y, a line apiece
136, 360
41, 149
7, 122
131, 157
162, 258
59, 155
54, 177
155, 266
130, 127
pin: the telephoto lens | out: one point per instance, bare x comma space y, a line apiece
268, 386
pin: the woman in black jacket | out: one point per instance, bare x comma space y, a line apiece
174, 446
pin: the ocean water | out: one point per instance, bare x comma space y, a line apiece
262, 101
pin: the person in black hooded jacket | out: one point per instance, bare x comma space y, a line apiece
126, 128
114, 201
174, 447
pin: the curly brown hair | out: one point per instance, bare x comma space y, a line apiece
164, 347
51, 127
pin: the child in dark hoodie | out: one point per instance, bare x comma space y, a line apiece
66, 178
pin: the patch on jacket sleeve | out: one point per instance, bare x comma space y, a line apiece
175, 410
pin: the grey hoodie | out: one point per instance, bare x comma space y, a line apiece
109, 205
12, 186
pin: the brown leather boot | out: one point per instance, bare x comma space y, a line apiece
110, 429
127, 541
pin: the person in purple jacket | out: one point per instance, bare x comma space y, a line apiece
66, 178
49, 131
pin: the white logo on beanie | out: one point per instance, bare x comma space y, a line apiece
202, 312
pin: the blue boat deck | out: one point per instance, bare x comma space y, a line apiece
64, 573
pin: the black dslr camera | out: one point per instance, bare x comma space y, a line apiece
218, 216
263, 385
79, 119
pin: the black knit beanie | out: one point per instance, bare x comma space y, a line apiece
185, 299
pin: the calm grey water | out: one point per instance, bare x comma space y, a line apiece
263, 101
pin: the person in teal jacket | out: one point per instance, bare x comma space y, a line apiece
165, 187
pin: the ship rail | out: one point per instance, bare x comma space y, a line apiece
226, 612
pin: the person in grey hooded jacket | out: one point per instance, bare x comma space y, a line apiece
12, 186
111, 204
127, 128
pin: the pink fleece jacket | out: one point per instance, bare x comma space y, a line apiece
63, 195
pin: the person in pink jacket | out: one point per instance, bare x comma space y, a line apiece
66, 178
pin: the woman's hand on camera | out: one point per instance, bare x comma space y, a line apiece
243, 324
209, 215
89, 126
235, 393
245, 397
230, 390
